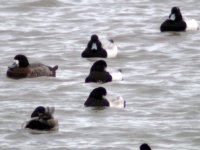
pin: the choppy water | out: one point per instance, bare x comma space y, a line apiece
161, 75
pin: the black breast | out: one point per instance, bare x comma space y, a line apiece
87, 53
38, 125
96, 76
91, 102
170, 25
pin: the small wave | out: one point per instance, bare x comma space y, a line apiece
45, 3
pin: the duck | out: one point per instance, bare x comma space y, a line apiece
97, 98
175, 22
100, 48
42, 119
99, 74
145, 146
21, 68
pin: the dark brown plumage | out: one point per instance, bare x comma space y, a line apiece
22, 69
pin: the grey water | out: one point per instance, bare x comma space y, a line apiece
161, 72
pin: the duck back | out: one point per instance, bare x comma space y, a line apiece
38, 69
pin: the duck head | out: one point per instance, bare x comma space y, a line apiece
145, 146
43, 112
175, 14
99, 66
95, 44
98, 93
19, 61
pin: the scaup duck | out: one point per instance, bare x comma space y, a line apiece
175, 22
97, 99
97, 48
42, 119
99, 74
21, 68
145, 146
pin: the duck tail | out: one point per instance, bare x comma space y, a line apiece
111, 40
53, 69
120, 70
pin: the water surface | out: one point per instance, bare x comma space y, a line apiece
161, 75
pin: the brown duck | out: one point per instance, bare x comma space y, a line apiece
42, 119
22, 69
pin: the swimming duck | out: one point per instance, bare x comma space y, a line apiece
99, 74
175, 22
21, 68
42, 119
97, 48
145, 146
97, 99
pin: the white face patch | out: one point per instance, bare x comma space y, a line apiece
104, 96
14, 65
172, 17
94, 46
16, 62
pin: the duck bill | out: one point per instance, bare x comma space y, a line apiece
13, 66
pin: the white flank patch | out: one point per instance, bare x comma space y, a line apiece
119, 102
192, 24
110, 48
117, 76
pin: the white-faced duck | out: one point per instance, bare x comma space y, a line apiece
100, 48
21, 68
175, 22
